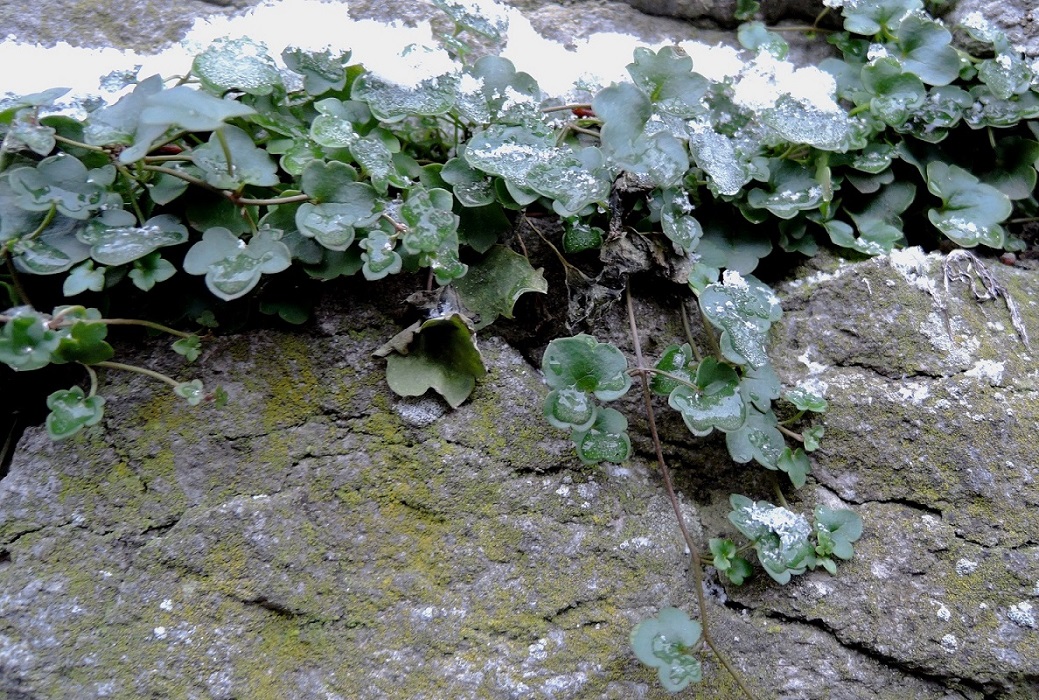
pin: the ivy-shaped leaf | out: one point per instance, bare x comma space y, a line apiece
492, 91
190, 348
249, 165
728, 562
716, 403
380, 258
431, 223
667, 78
115, 239
758, 439
231, 266
119, 123
796, 465
896, 93
606, 441
237, 64
333, 224
441, 356
321, 72
189, 109
924, 46
71, 411
667, 643
191, 391
83, 340
875, 16
792, 188
392, 102
760, 386
743, 309
570, 409
150, 270
805, 399
971, 211
836, 531
584, 363
781, 538
64, 182
333, 127
84, 278
26, 343
492, 286
678, 361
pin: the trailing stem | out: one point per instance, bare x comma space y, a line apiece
695, 564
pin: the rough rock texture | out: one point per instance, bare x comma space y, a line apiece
1019, 19
320, 537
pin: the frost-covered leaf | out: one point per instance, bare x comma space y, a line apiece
1006, 75
71, 411
606, 441
756, 37
333, 224
805, 399
895, 93
492, 286
118, 123
115, 239
971, 211
870, 17
801, 121
392, 102
237, 64
491, 90
666, 642
26, 131
573, 180
321, 71
442, 356
380, 258
667, 78
682, 229
579, 236
584, 363
743, 309
716, 155
781, 537
334, 126
231, 266
758, 439
486, 19
64, 182
792, 188
249, 165
470, 187
431, 223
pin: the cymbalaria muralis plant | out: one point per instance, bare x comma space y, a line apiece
259, 181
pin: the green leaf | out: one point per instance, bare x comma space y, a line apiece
442, 356
606, 441
61, 181
321, 72
1006, 75
925, 49
677, 361
583, 363
743, 309
192, 391
26, 131
838, 529
190, 348
756, 37
150, 270
380, 258
333, 224
334, 126
570, 409
26, 343
1015, 173
875, 16
83, 278
331, 181
189, 109
796, 465
812, 436
666, 642
792, 188
716, 404
727, 562
232, 267
114, 238
732, 247
667, 77
375, 153
971, 211
492, 286
896, 94
470, 187
392, 102
760, 386
758, 439
119, 123
84, 340
805, 399
237, 64
431, 223
71, 411
249, 165
492, 91
579, 236
780, 537
682, 230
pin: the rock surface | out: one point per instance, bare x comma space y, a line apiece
322, 538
